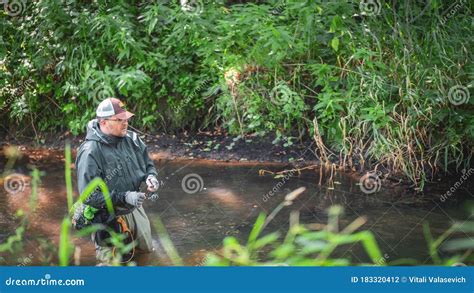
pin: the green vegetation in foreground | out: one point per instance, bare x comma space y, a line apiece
376, 88
303, 245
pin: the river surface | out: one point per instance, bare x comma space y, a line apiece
227, 202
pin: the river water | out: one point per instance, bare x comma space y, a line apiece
228, 198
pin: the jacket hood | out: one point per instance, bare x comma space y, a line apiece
94, 133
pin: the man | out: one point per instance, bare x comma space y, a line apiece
120, 158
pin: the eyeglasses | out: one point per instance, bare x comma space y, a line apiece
118, 120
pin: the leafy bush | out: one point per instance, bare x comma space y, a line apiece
377, 85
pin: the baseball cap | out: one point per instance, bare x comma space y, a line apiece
113, 106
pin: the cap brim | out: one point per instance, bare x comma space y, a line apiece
124, 115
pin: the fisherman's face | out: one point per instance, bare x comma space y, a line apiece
114, 126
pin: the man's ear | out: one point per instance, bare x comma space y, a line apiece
102, 122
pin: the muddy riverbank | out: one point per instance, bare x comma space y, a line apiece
202, 145
218, 148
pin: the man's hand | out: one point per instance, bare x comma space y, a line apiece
134, 198
152, 183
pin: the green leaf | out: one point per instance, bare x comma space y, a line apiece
257, 228
335, 44
265, 240
65, 246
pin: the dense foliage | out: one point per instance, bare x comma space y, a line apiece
374, 77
